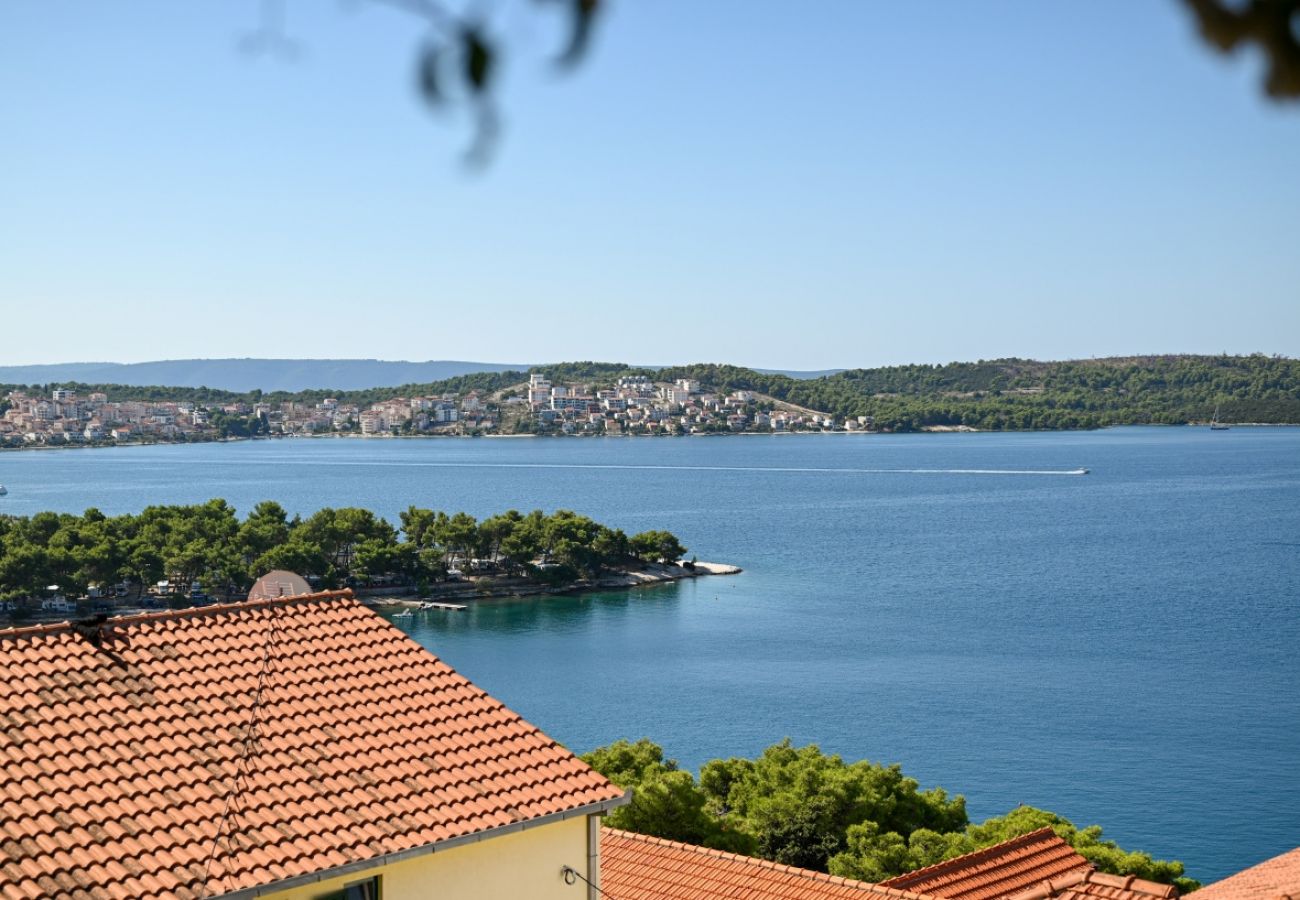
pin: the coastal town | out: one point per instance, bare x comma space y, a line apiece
633, 405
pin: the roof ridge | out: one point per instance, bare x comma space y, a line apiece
866, 886
24, 630
1133, 883
979, 855
1049, 887
1052, 886
167, 614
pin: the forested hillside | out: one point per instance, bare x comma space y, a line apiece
1025, 394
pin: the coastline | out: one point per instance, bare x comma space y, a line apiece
466, 593
42, 447
925, 429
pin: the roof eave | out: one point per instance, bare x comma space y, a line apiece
590, 809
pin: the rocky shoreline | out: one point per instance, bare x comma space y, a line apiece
503, 588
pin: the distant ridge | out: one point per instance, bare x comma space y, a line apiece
243, 375
800, 375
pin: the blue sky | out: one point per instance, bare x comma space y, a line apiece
736, 181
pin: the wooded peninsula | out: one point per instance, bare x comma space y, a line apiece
179, 555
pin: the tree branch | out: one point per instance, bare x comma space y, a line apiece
1272, 24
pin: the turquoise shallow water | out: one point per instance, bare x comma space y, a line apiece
1123, 648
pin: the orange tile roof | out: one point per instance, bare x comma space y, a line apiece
997, 871
638, 867
130, 769
1088, 884
1274, 879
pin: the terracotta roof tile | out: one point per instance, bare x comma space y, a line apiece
1274, 879
638, 867
996, 871
1035, 866
1088, 884
117, 762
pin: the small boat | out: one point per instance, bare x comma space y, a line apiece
3, 490
404, 614
1215, 424
1079, 471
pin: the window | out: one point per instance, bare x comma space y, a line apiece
357, 890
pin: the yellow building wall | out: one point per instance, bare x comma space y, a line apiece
524, 865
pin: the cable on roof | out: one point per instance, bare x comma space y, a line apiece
249, 748
573, 876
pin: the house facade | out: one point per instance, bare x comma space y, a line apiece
521, 864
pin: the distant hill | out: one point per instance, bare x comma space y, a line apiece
799, 375
244, 375
268, 375
994, 395
1020, 394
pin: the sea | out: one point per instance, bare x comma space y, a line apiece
1120, 647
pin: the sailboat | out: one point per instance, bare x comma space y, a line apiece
1215, 424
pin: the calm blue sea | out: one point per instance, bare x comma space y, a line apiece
1122, 647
